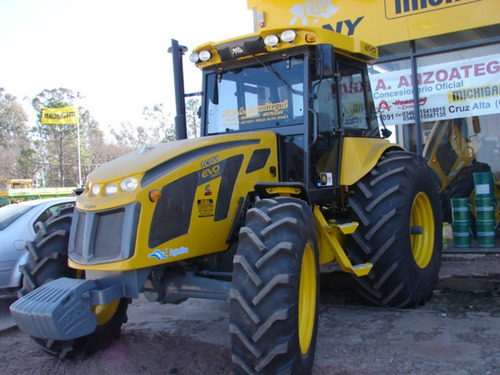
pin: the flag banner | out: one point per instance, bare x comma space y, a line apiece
63, 115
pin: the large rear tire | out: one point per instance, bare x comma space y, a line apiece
274, 293
400, 230
48, 260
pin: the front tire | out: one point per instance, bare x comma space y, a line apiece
400, 230
48, 260
274, 293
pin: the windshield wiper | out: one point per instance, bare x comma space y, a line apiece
277, 75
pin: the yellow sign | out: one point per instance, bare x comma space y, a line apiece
61, 116
379, 22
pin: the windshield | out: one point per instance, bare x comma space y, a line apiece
259, 97
11, 213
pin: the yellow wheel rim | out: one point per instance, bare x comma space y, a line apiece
103, 313
307, 298
422, 230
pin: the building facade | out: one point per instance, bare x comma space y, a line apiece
436, 83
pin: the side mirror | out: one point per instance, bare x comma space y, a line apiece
386, 133
325, 60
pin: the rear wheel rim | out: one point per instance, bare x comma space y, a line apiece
422, 216
307, 299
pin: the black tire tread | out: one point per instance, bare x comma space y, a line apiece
274, 227
380, 204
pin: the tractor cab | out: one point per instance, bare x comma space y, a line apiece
298, 86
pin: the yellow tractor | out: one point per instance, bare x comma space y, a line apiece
290, 173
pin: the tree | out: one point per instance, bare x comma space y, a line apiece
160, 123
12, 118
60, 151
94, 149
192, 117
15, 150
158, 128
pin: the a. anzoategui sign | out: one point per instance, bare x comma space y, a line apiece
469, 87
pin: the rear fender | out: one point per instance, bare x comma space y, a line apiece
360, 155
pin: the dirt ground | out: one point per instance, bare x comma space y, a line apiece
456, 333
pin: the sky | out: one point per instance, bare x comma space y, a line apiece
114, 52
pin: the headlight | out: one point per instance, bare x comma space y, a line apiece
205, 55
129, 184
201, 56
288, 36
194, 58
111, 189
271, 40
96, 189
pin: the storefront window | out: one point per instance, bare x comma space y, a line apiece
457, 121
388, 97
466, 36
394, 49
464, 86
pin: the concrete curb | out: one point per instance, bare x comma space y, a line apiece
472, 272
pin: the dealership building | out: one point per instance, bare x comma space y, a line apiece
436, 83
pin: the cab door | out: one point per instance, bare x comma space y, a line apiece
342, 106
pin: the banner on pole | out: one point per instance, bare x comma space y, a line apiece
61, 116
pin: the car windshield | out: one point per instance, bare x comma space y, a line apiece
263, 96
10, 213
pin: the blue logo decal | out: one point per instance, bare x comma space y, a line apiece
159, 255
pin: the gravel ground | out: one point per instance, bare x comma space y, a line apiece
457, 332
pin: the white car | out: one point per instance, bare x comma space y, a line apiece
17, 225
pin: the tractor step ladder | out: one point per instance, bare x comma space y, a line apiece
331, 238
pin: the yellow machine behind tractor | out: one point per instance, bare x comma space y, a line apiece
18, 190
452, 153
290, 173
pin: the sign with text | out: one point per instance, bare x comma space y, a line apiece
464, 88
379, 22
61, 116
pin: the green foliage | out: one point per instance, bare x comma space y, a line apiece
60, 140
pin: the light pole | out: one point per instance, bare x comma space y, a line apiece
77, 100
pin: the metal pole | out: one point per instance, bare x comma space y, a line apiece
79, 158
180, 106
416, 104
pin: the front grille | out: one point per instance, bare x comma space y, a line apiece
104, 236
108, 236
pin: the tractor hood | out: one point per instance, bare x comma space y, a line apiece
150, 157
107, 185
155, 161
